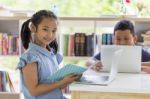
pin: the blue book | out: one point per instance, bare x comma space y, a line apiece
66, 70
104, 39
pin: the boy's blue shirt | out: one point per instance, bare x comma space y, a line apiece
145, 56
47, 64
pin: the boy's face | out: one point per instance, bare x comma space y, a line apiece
124, 37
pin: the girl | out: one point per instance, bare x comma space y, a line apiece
41, 59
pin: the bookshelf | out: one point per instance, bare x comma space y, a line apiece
98, 26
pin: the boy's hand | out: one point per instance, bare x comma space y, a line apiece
145, 69
97, 66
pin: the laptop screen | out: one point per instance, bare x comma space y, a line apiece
130, 61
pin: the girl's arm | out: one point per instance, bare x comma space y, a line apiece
35, 88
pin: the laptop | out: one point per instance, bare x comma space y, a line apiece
130, 61
103, 78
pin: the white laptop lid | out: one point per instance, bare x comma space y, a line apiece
106, 78
130, 61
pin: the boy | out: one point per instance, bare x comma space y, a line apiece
124, 34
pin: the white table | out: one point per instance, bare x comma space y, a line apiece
125, 86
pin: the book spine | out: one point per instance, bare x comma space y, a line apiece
71, 46
5, 44
65, 46
77, 44
1, 81
10, 44
104, 38
4, 81
109, 39
1, 40
82, 44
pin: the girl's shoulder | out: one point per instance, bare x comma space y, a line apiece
29, 57
30, 52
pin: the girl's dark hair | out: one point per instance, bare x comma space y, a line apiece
36, 20
124, 25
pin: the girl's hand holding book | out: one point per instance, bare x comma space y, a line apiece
70, 78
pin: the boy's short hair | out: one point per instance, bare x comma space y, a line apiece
125, 25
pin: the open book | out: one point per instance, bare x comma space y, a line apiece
66, 70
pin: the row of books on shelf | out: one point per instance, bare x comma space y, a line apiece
82, 44
78, 44
9, 44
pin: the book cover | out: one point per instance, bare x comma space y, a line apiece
66, 70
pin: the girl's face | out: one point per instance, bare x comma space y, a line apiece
124, 37
46, 32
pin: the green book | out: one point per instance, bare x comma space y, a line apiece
65, 49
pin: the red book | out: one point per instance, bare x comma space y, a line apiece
71, 46
5, 44
1, 39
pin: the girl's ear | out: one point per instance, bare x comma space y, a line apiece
33, 28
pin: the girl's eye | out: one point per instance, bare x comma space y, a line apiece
46, 30
54, 31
